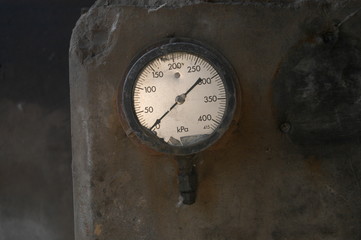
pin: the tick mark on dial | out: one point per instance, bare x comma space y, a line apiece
196, 61
214, 76
215, 121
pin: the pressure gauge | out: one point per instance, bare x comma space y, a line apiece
179, 97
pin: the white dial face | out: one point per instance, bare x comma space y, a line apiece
180, 97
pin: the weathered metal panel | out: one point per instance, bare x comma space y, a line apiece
263, 184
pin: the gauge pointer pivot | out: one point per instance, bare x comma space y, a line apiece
180, 99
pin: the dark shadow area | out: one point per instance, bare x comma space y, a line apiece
35, 147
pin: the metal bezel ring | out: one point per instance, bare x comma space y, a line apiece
219, 63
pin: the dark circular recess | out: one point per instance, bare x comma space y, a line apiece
317, 91
219, 63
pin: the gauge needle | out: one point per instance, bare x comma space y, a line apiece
193, 86
160, 119
178, 100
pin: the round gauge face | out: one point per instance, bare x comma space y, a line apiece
179, 98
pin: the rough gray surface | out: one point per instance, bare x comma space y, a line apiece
157, 4
318, 90
261, 186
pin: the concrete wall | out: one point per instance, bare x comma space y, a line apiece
35, 151
272, 181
